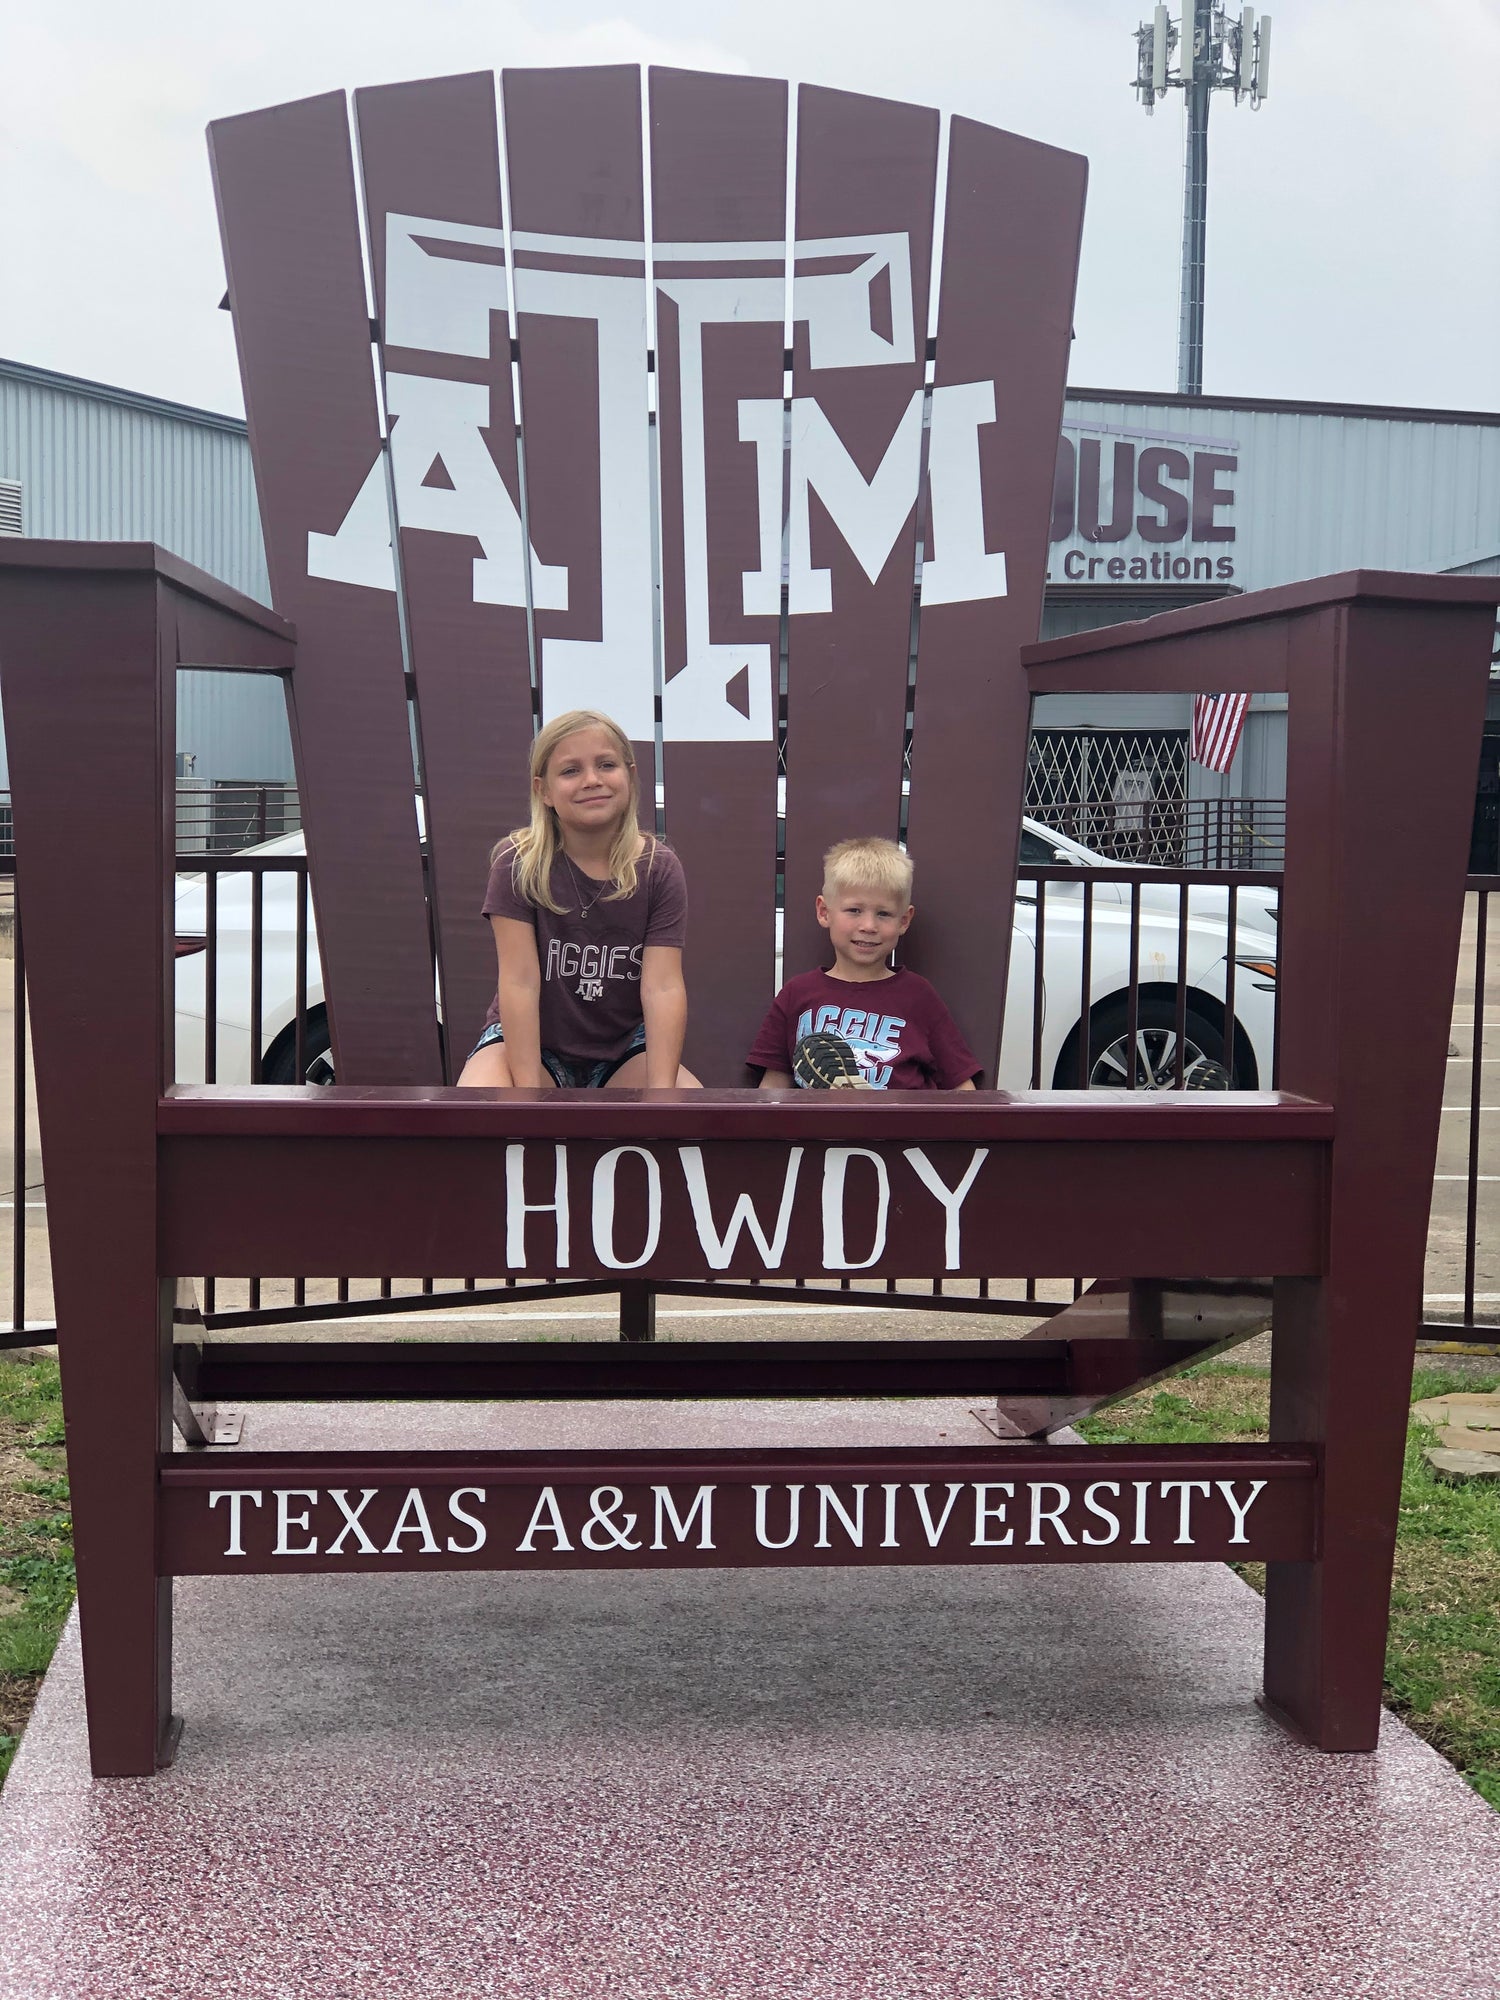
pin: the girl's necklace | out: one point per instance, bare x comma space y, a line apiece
584, 908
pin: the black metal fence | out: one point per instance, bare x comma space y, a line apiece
1177, 833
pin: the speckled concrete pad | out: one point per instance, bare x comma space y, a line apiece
918, 1785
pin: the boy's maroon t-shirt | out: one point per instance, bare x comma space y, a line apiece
902, 1035
590, 954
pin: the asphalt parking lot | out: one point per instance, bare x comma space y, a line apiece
23, 1214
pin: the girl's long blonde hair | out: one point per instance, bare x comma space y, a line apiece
537, 846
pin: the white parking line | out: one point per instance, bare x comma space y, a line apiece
1464, 1177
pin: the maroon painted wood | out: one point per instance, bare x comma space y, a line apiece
1012, 222
1387, 677
285, 185
277, 1514
718, 176
429, 152
865, 169
1084, 1117
88, 657
377, 1371
1343, 1348
575, 171
234, 1206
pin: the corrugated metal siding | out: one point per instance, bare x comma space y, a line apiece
94, 468
235, 726
1316, 493
97, 465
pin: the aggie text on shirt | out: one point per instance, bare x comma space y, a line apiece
590, 953
902, 1035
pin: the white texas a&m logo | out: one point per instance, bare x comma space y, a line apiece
442, 304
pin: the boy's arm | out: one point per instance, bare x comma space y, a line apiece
772, 1048
954, 1064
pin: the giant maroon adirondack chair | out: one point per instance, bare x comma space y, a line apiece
524, 579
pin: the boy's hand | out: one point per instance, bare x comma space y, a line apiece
774, 1079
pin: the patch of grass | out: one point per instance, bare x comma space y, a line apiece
36, 1537
1213, 1404
1442, 1668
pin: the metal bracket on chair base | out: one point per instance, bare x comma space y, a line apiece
995, 1421
203, 1424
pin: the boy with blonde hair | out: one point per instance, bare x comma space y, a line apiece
891, 1033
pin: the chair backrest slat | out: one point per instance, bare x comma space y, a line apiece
575, 169
1012, 221
718, 176
540, 221
866, 180
289, 220
429, 158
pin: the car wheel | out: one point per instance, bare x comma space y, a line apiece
1155, 1054
280, 1065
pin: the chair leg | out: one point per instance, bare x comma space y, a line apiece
637, 1311
118, 1419
1326, 1620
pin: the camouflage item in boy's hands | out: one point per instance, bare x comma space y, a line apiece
826, 1062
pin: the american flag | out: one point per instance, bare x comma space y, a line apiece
1217, 722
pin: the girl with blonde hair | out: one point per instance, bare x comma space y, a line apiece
589, 916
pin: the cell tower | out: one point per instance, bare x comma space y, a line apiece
1223, 52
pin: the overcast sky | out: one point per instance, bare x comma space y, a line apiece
1354, 221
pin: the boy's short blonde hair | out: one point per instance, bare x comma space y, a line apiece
867, 864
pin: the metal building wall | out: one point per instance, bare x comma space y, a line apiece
102, 464
1317, 491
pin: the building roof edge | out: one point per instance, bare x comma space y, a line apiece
1387, 412
134, 399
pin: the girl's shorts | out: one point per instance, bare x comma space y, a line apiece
568, 1075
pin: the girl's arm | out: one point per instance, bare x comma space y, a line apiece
664, 1010
520, 995
774, 1079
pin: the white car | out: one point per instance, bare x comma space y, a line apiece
1209, 951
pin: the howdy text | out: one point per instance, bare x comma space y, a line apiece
561, 1212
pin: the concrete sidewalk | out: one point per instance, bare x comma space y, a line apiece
921, 1784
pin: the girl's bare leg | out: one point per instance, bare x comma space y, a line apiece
489, 1069
632, 1076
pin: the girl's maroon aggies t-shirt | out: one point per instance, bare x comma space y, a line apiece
902, 1035
590, 953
